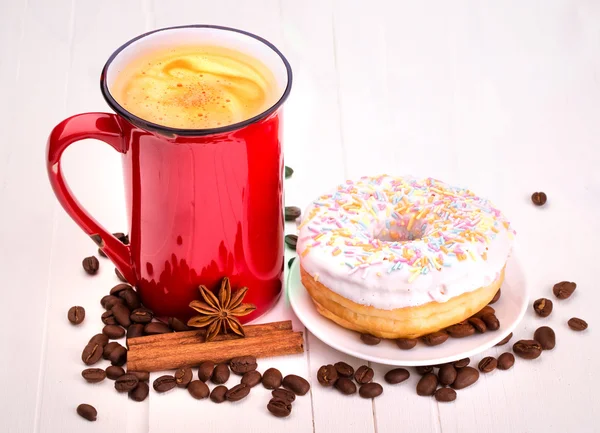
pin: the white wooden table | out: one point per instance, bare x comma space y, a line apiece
503, 97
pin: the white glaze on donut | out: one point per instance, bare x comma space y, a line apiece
393, 242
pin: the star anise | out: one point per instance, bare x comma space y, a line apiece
220, 314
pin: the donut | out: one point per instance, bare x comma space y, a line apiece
400, 257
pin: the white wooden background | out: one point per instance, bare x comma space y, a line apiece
500, 96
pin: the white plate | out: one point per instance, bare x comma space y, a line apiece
510, 309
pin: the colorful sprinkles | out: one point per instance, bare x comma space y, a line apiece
424, 225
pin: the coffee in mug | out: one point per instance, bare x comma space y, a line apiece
195, 87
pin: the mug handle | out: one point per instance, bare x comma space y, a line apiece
99, 126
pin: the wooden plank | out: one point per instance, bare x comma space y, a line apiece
315, 148
262, 18
89, 33
32, 87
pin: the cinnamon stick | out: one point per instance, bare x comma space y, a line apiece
198, 335
168, 353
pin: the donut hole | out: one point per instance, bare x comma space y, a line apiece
396, 233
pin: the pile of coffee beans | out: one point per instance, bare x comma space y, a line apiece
340, 375
450, 377
284, 389
126, 316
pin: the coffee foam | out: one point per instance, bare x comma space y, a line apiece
195, 87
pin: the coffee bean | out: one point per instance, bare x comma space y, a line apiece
243, 364
447, 374
198, 389
110, 301
370, 390
220, 374
87, 411
76, 315
406, 343
491, 322
343, 369
108, 318
122, 237
97, 239
506, 361
298, 385
460, 330
435, 338
370, 340
292, 213
396, 375
183, 376
116, 290
505, 340
126, 383
478, 324
290, 261
345, 386
100, 339
251, 378
272, 378
564, 289
218, 394
279, 408
543, 307
465, 377
539, 198
155, 328
141, 315
90, 265
283, 394
140, 392
485, 310
291, 241
424, 369
364, 374
120, 276
118, 356
461, 363
101, 253
114, 332
427, 384
487, 364
496, 296
91, 353
121, 313
131, 298
177, 325
445, 395
135, 330
113, 372
577, 324
205, 370
546, 337
527, 349
327, 375
109, 348
164, 383
288, 172
93, 375
238, 392
143, 376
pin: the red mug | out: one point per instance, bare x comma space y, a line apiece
202, 204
